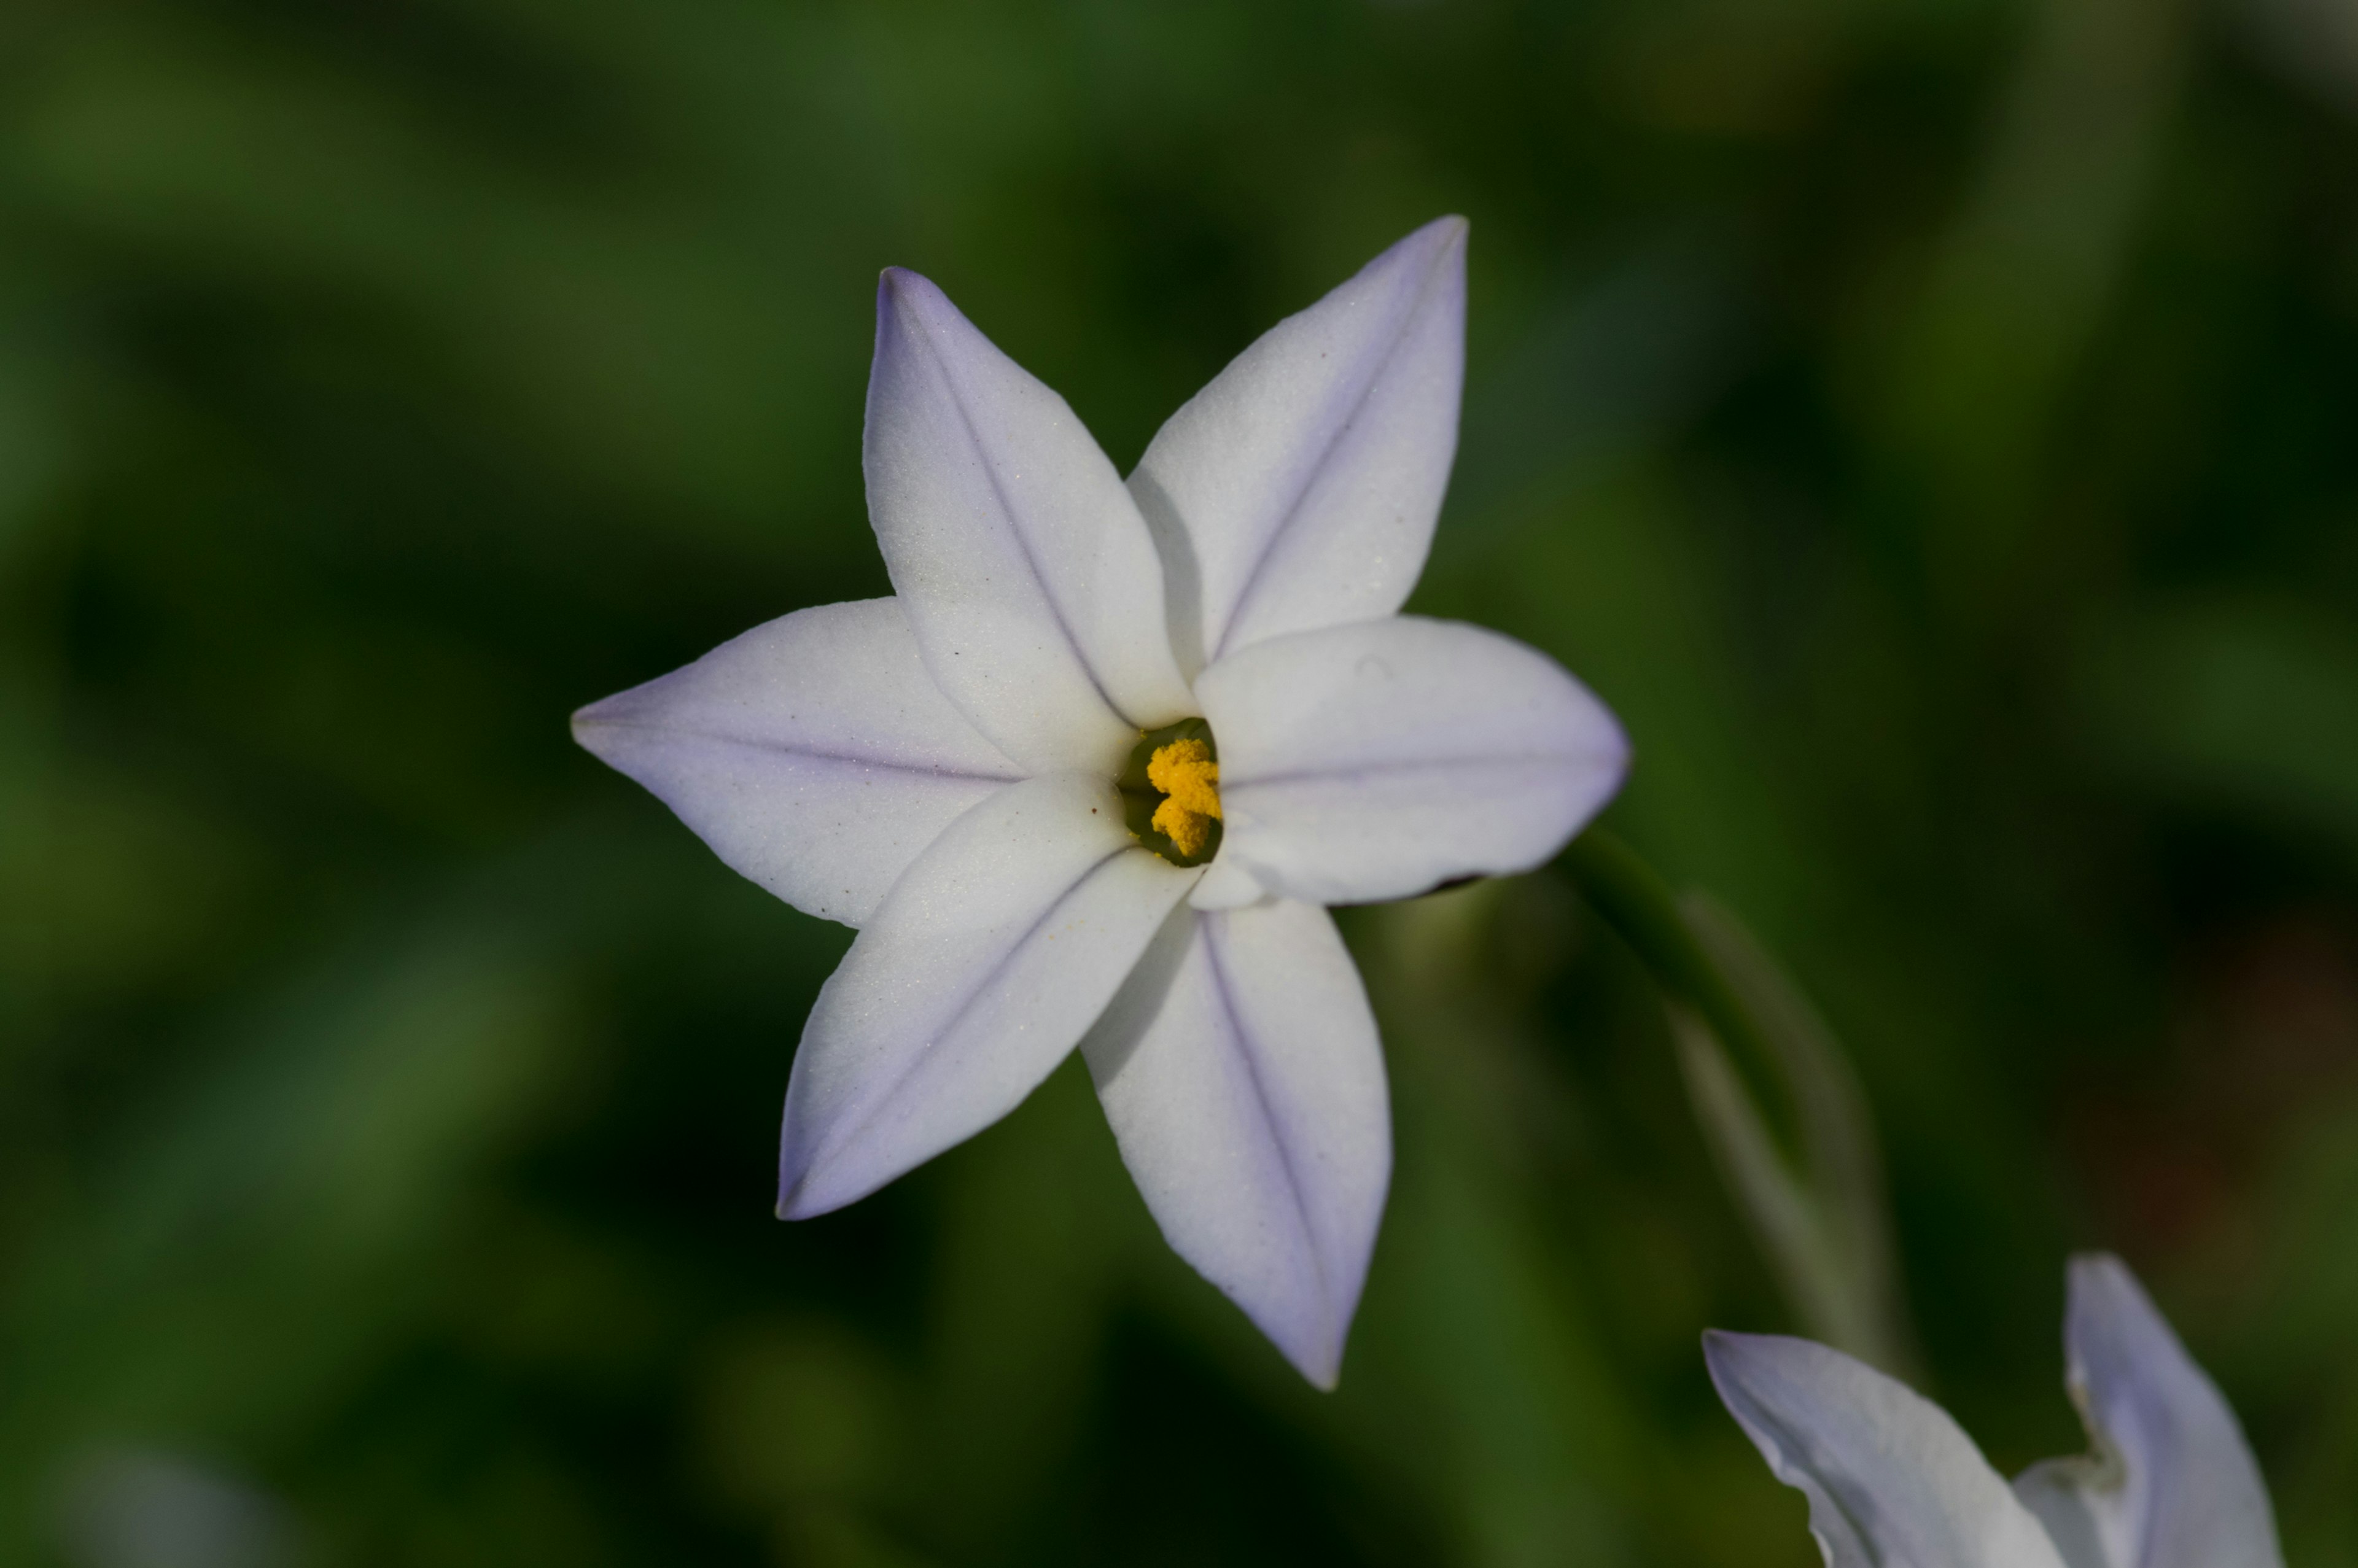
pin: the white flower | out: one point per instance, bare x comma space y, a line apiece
1893, 1482
943, 769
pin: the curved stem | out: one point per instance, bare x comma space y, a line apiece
1644, 913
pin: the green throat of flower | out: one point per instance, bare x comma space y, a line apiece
1170, 792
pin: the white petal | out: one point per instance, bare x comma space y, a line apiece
1891, 1480
1380, 760
1241, 1071
1299, 489
1025, 569
1226, 885
984, 965
2173, 1483
812, 753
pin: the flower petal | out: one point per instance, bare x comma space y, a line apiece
1380, 760
2173, 1483
1890, 1478
1026, 571
984, 965
1226, 885
812, 753
1239, 1068
1299, 489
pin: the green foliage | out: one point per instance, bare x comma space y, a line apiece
1927, 424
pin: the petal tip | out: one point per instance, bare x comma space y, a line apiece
1320, 1364
1619, 757
813, 1182
797, 1201
1738, 1361
1443, 242
2101, 1289
592, 724
900, 291
1721, 1348
1426, 258
800, 1193
2088, 1269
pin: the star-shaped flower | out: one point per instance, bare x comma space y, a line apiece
1892, 1480
1089, 776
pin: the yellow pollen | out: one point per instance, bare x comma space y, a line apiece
1185, 772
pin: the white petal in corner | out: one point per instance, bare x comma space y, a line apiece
1029, 576
813, 754
1299, 489
2173, 1484
1377, 761
1890, 1478
984, 966
1239, 1069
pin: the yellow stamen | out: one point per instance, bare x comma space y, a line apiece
1184, 771
1188, 830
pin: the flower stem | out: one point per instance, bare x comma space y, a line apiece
1633, 899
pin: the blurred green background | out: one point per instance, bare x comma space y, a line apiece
1933, 424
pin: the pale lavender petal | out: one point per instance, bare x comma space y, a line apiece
1378, 760
1892, 1482
813, 754
1299, 489
1026, 571
1241, 1071
2171, 1484
981, 971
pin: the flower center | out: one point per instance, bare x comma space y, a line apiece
1190, 782
1171, 793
